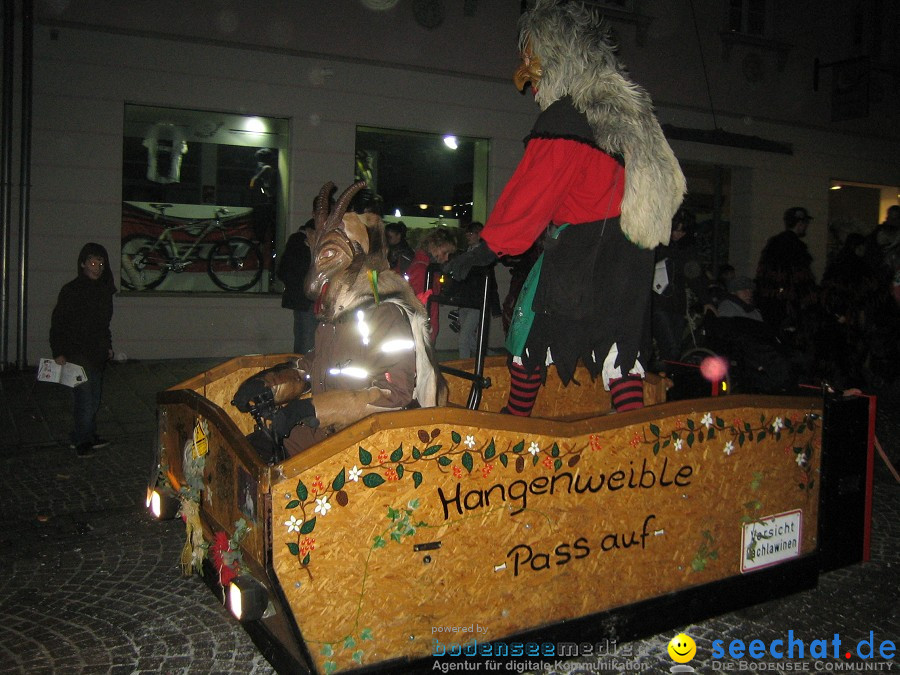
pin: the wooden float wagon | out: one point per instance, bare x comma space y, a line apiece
410, 533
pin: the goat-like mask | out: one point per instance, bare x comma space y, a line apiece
343, 245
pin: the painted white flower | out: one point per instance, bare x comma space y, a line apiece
707, 420
355, 473
470, 442
678, 443
777, 424
534, 448
729, 448
293, 525
322, 505
801, 459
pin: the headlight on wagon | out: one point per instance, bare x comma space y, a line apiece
248, 600
163, 503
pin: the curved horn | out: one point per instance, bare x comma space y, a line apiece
340, 208
322, 203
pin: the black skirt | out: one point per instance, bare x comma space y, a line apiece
594, 292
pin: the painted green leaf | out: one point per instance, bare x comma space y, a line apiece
339, 480
372, 480
327, 650
330, 667
760, 436
467, 461
302, 492
417, 478
534, 460
399, 471
349, 642
365, 634
308, 526
358, 655
711, 434
697, 564
397, 454
416, 453
690, 424
557, 464
379, 542
554, 451
444, 461
431, 450
720, 423
365, 457
656, 448
518, 447
490, 450
654, 430
812, 482
504, 460
293, 548
455, 437
293, 504
741, 439
690, 440
305, 560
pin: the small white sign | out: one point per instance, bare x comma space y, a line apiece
69, 374
771, 540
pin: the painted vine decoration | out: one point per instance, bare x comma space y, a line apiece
464, 456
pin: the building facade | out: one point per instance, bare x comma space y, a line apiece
767, 105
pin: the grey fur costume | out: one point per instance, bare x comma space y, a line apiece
579, 61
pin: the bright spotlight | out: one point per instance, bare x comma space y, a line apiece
450, 142
247, 598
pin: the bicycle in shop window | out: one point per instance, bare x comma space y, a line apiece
233, 263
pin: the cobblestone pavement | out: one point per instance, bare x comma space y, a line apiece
92, 585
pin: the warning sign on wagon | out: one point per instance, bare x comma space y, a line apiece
771, 540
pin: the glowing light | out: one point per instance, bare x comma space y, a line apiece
397, 213
447, 208
350, 371
423, 206
392, 346
362, 326
451, 142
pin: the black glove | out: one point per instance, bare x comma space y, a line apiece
461, 265
298, 411
252, 391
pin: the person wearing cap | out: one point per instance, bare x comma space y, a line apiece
739, 301
785, 285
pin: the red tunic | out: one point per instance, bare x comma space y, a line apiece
557, 181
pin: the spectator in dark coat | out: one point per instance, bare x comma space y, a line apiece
80, 334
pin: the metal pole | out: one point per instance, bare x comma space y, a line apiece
25, 177
6, 126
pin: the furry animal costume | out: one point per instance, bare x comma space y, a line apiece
579, 61
596, 159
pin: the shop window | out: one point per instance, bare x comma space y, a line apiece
425, 180
203, 200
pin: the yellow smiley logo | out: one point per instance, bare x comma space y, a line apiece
682, 648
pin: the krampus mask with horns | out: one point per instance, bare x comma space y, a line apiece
346, 247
